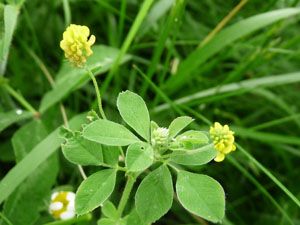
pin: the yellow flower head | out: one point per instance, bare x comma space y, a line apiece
76, 44
62, 205
223, 140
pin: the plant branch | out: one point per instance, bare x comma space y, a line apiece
97, 92
125, 196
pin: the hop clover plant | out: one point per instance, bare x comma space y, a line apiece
154, 156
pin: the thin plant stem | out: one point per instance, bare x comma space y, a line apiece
81, 171
5, 219
222, 23
125, 196
100, 102
97, 92
20, 99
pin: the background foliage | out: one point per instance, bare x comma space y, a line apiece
246, 76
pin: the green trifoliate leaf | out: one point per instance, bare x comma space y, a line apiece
139, 156
154, 196
179, 124
81, 151
201, 195
94, 191
109, 133
134, 112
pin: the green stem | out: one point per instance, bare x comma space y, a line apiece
20, 99
100, 102
121, 168
97, 92
125, 196
5, 219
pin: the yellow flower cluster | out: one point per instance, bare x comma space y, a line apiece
76, 44
223, 140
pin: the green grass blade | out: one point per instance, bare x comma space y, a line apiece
270, 175
35, 158
245, 86
11, 117
266, 137
174, 17
158, 10
260, 187
223, 39
121, 21
278, 101
67, 12
132, 32
10, 21
275, 122
159, 92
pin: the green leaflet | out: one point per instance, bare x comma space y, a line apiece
82, 151
178, 124
139, 156
109, 133
134, 112
94, 190
134, 219
196, 157
201, 195
154, 196
109, 210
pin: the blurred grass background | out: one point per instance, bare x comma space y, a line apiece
266, 118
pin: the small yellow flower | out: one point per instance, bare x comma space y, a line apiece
223, 140
62, 205
76, 44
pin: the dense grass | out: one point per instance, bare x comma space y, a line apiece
247, 76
